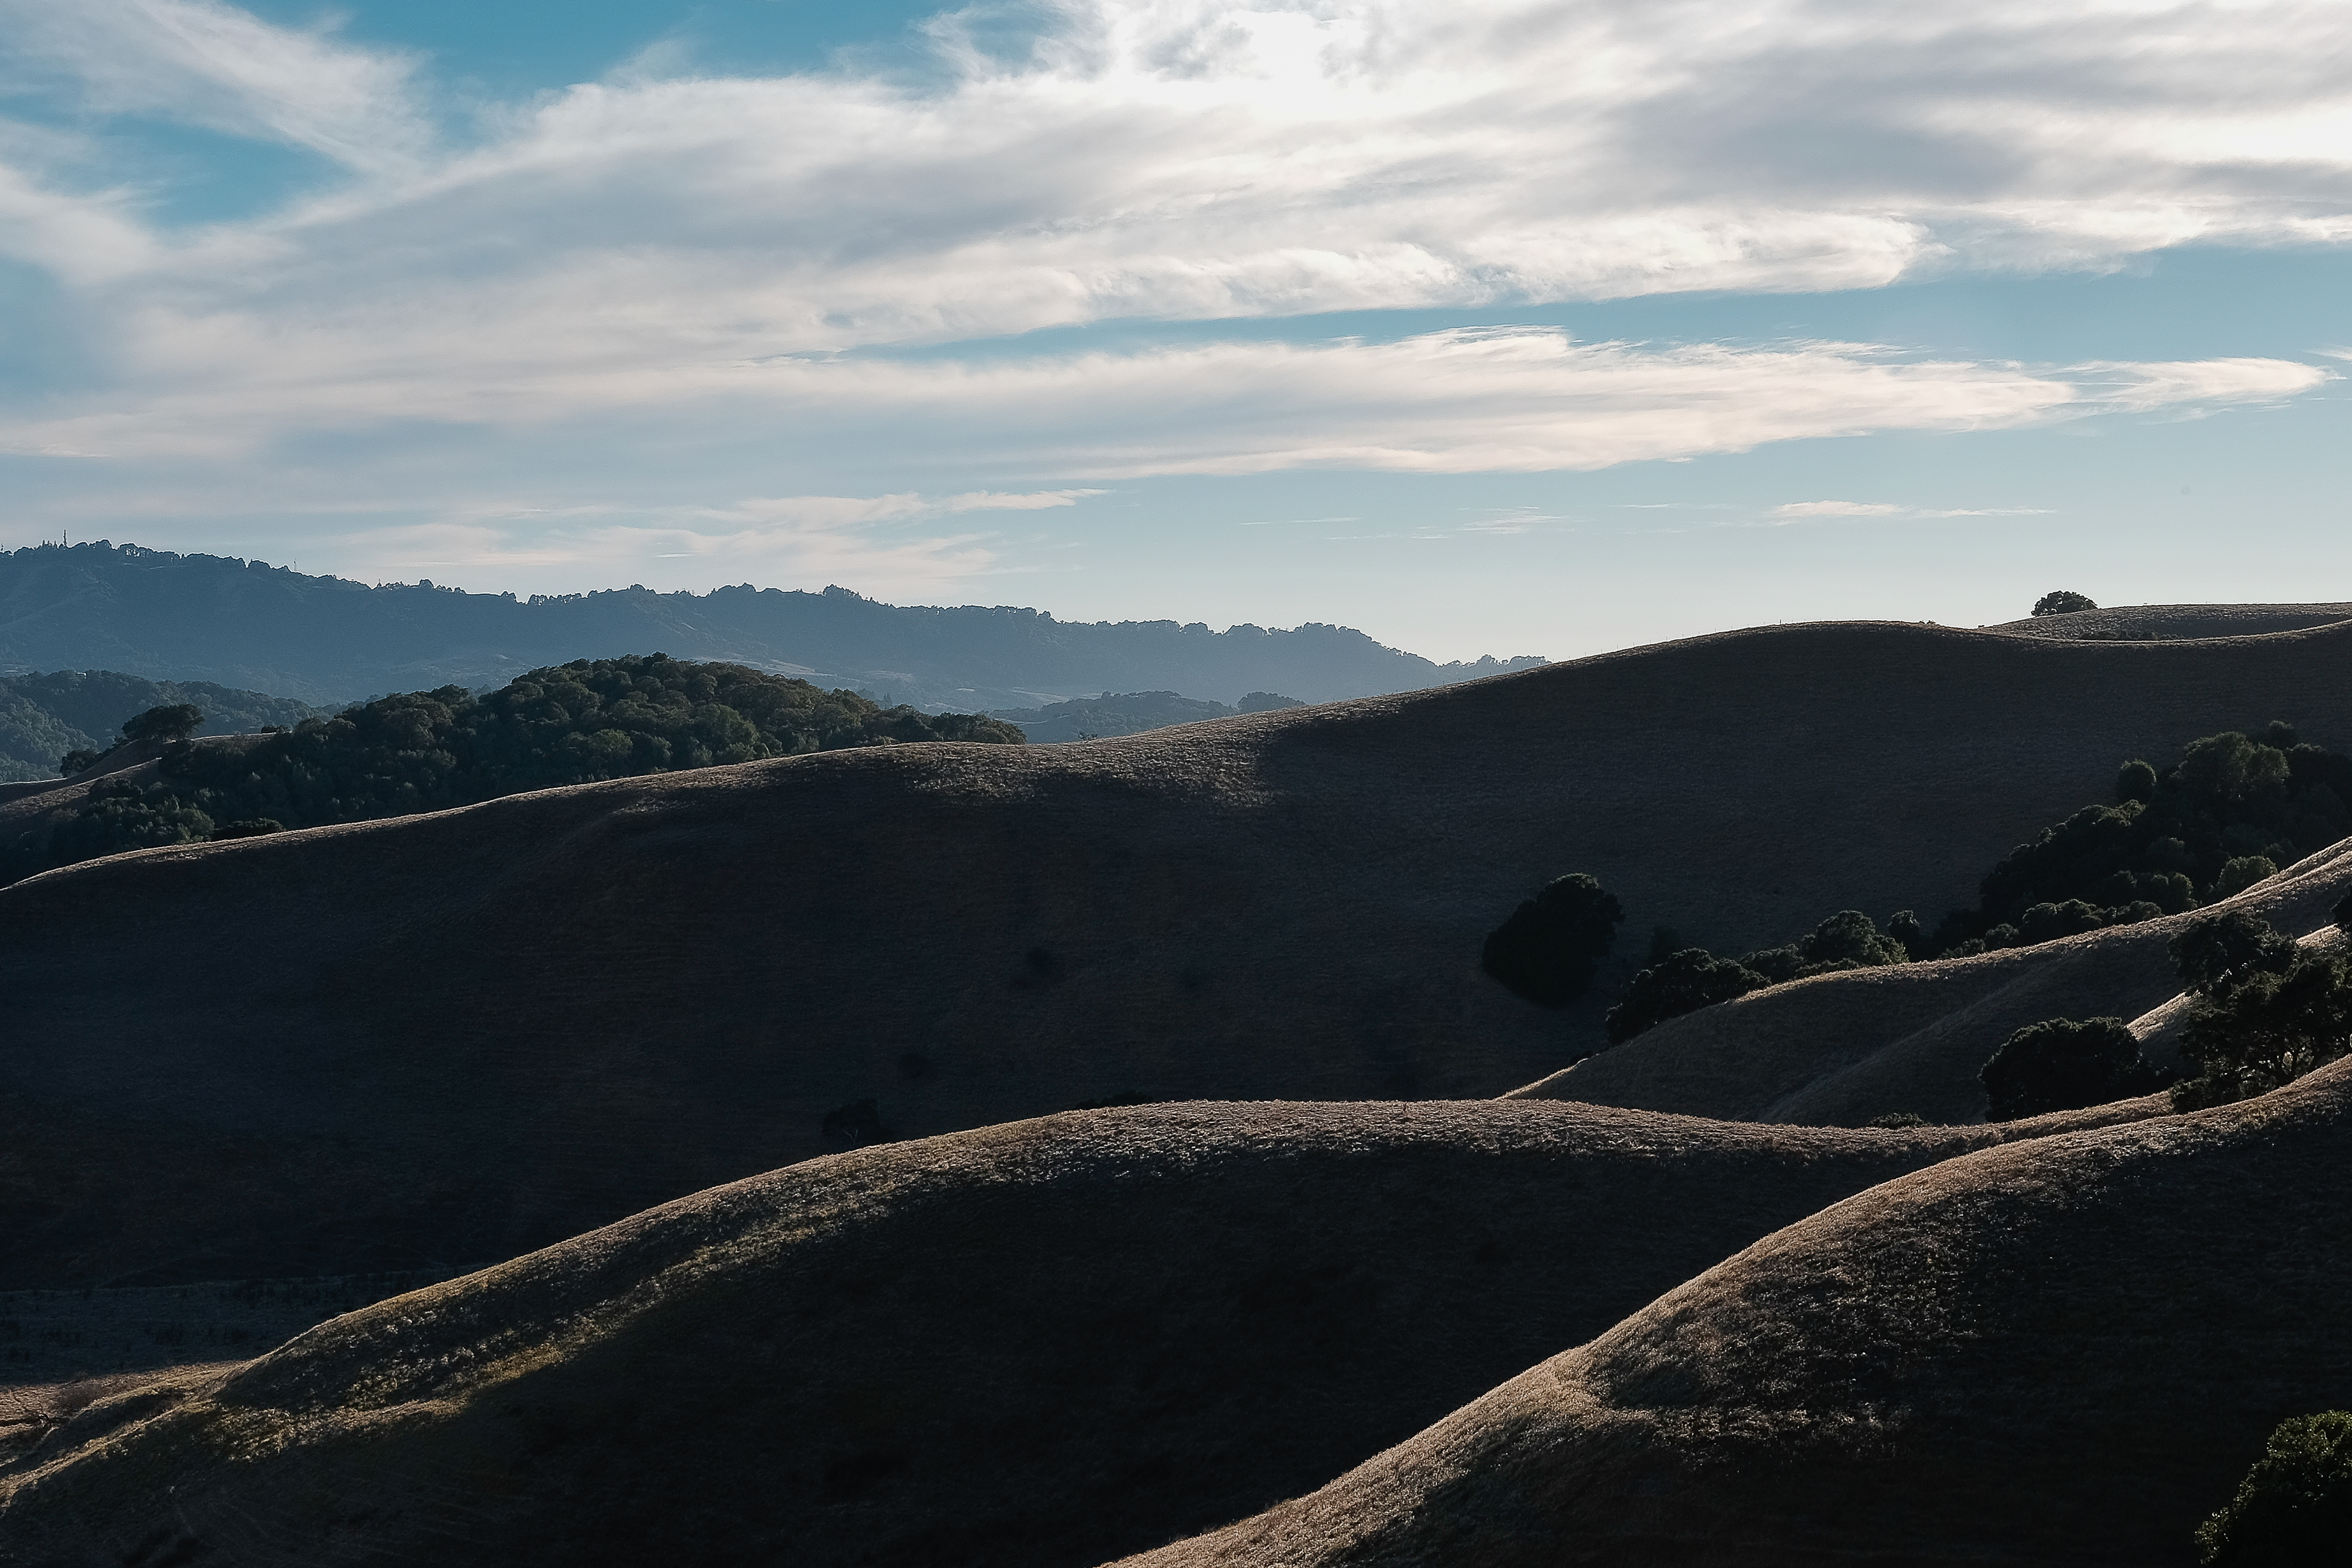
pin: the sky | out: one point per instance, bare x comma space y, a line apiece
1489, 327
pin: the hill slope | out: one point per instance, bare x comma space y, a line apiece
449, 1039
328, 640
1038, 1345
2059, 1352
1841, 1049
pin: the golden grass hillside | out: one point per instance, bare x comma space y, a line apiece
1838, 1050
1044, 1343
2059, 1352
449, 1038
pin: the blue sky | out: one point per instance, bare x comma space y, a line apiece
1494, 327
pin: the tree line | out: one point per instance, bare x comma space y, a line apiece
2234, 809
423, 751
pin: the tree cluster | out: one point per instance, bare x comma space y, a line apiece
423, 752
2233, 810
2230, 813
1683, 981
2267, 1009
2062, 602
2295, 1507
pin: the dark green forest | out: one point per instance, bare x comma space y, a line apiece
423, 752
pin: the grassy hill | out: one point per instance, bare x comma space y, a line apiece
438, 1041
1041, 1344
2065, 1351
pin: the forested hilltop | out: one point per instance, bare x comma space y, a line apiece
43, 716
423, 751
246, 624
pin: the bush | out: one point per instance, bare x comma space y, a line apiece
2295, 1507
2268, 1010
2239, 874
2062, 602
73, 762
1681, 983
2064, 1064
1547, 950
2136, 780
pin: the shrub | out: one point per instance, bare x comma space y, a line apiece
1683, 982
2064, 1064
74, 761
1549, 948
2062, 602
2295, 1507
2136, 780
2239, 874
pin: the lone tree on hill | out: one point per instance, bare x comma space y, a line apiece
1547, 951
2064, 1064
2062, 602
164, 724
2295, 1506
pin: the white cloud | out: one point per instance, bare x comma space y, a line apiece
1837, 510
222, 68
667, 264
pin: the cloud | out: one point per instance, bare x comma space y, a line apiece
1798, 511
664, 266
1523, 401
219, 66
1837, 510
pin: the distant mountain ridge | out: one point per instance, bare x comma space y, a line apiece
251, 625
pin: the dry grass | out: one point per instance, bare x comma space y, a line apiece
451, 1037
1039, 1344
2062, 1352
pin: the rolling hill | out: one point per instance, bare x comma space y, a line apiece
435, 1042
1040, 1344
2065, 1351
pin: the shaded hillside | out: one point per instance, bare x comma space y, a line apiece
1037, 1345
43, 716
458, 1036
1839, 1050
2059, 1352
324, 639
